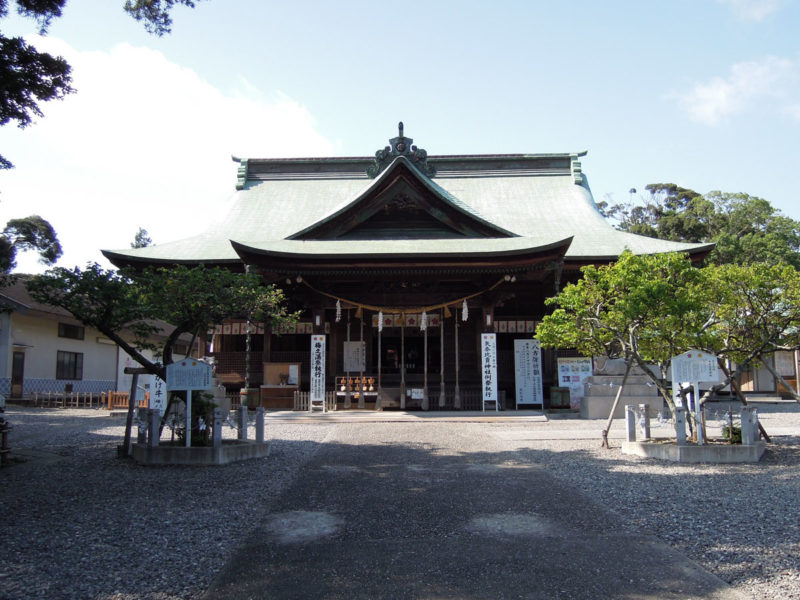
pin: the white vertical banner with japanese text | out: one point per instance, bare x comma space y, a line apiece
158, 396
528, 371
489, 362
317, 384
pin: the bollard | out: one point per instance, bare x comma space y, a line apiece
141, 417
243, 422
260, 424
644, 420
630, 422
217, 428
153, 426
750, 431
680, 425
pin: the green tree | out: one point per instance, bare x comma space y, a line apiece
29, 77
745, 229
643, 308
648, 309
141, 239
125, 306
30, 233
756, 312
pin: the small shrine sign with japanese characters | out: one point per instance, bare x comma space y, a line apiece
528, 370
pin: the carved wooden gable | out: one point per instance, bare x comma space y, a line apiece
402, 204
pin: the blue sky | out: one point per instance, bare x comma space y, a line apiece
702, 93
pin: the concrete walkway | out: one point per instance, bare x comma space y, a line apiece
446, 512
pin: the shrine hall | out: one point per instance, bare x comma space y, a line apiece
402, 261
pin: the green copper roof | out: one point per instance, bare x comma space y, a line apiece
541, 198
406, 248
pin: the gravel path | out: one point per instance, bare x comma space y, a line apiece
79, 523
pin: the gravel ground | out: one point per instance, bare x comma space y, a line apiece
79, 523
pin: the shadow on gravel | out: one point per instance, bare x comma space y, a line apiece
90, 526
738, 521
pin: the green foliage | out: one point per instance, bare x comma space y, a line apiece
33, 233
29, 77
642, 305
196, 298
141, 239
756, 311
155, 14
103, 299
733, 434
191, 299
650, 308
745, 229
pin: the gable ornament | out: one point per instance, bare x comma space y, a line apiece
400, 146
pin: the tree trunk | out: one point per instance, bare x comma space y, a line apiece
628, 366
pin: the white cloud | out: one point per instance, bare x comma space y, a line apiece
143, 142
767, 85
752, 10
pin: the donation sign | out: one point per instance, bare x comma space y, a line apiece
317, 383
528, 370
489, 368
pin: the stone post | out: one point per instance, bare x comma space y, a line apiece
260, 424
680, 425
644, 421
217, 428
153, 425
242, 422
141, 416
749, 425
630, 422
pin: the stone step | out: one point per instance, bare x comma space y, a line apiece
632, 379
593, 389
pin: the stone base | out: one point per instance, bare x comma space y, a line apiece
598, 407
230, 451
692, 453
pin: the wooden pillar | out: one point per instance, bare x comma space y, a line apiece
266, 356
425, 399
457, 397
441, 360
347, 374
380, 361
402, 363
202, 341
361, 370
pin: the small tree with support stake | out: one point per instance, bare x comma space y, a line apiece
192, 299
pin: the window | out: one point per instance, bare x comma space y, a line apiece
69, 365
74, 332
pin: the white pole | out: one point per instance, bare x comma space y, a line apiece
698, 413
188, 418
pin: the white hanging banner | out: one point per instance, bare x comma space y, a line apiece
316, 397
528, 370
489, 362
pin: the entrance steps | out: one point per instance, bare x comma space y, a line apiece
600, 391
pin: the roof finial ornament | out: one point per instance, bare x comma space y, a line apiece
401, 146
